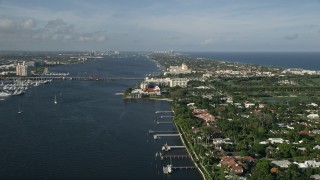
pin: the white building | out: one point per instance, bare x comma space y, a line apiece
313, 116
182, 82
282, 163
183, 69
22, 70
248, 105
309, 164
274, 141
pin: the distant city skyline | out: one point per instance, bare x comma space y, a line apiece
180, 25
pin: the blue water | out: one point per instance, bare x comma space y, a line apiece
305, 60
90, 133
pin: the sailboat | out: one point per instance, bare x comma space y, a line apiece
20, 111
55, 99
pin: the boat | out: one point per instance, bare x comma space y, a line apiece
165, 147
4, 94
55, 99
167, 169
20, 111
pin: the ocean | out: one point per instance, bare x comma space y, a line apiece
90, 133
304, 60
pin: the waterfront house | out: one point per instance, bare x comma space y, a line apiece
206, 116
227, 161
231, 163
200, 111
152, 91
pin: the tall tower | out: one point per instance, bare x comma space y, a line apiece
22, 70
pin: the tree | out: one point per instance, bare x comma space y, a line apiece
284, 150
262, 171
260, 149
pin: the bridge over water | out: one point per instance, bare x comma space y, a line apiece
70, 78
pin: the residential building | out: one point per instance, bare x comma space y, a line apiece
313, 116
182, 82
23, 70
282, 163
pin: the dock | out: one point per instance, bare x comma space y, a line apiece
157, 112
166, 147
164, 122
169, 168
184, 167
158, 136
166, 116
152, 132
175, 156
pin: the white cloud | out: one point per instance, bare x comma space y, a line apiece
56, 29
6, 24
28, 23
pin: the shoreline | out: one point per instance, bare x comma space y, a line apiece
154, 99
185, 144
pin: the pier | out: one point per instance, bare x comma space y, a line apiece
175, 156
158, 136
164, 122
169, 168
166, 147
152, 132
157, 112
166, 116
184, 167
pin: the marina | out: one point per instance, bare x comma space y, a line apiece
180, 154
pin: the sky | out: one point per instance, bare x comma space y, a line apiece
154, 25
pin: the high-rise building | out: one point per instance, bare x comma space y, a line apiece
22, 70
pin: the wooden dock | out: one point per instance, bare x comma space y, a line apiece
158, 136
164, 122
152, 132
169, 168
184, 167
166, 147
157, 112
166, 116
175, 156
